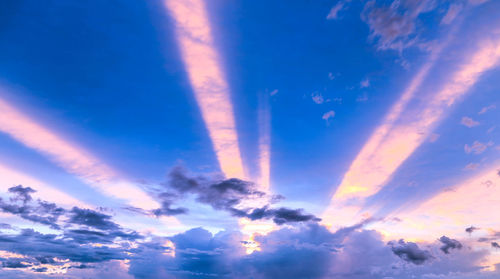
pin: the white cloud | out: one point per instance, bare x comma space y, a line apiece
468, 122
364, 83
317, 98
274, 92
329, 114
486, 109
334, 11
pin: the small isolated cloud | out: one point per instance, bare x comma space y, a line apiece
471, 166
471, 229
332, 76
274, 92
317, 98
495, 245
486, 109
449, 243
334, 11
364, 83
452, 13
468, 122
477, 147
410, 252
327, 115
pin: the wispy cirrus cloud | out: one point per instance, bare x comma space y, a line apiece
208, 81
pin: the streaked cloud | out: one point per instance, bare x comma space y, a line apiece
452, 13
334, 11
264, 119
202, 63
392, 144
487, 108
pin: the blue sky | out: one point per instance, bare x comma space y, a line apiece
183, 137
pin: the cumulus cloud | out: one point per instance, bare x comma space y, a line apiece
449, 243
468, 122
231, 195
410, 252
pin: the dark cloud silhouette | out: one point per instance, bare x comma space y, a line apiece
410, 252
449, 244
471, 229
40, 212
495, 245
21, 193
92, 219
227, 195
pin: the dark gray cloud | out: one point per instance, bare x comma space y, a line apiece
39, 212
410, 252
495, 245
92, 219
227, 195
449, 243
471, 229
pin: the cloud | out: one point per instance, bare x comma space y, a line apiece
364, 83
317, 98
327, 115
334, 11
235, 196
471, 229
449, 244
410, 252
394, 26
452, 13
495, 245
487, 108
208, 80
477, 147
274, 92
468, 122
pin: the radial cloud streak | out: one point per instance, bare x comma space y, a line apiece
69, 156
208, 81
391, 144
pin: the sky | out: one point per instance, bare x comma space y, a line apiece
250, 139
